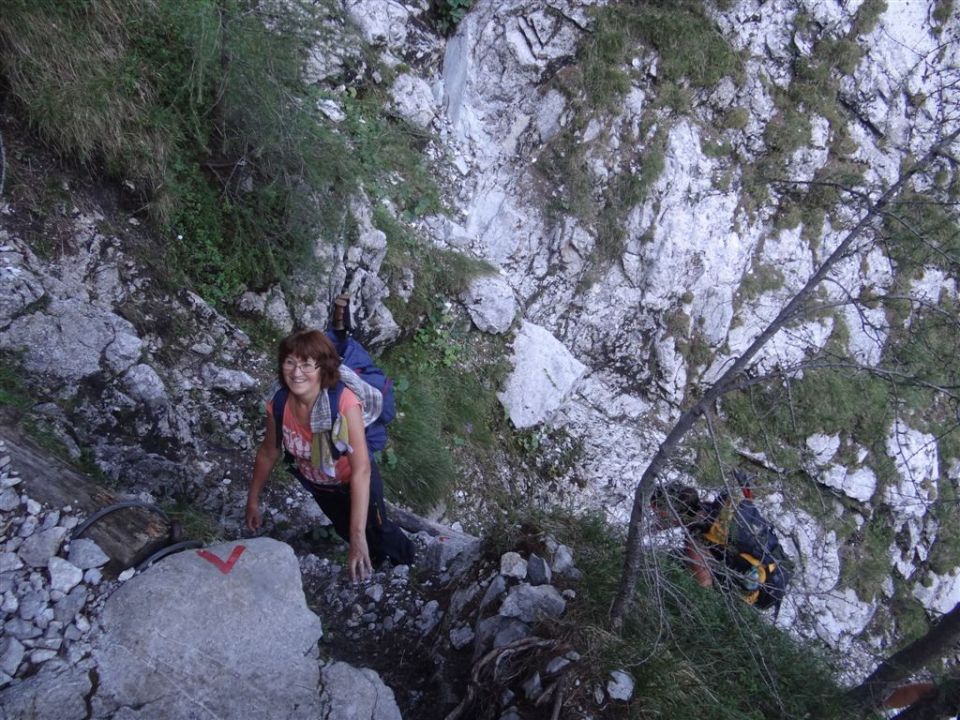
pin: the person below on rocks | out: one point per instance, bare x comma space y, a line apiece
728, 539
348, 488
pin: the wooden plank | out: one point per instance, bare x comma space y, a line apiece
127, 536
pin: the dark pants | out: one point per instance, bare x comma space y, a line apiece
385, 539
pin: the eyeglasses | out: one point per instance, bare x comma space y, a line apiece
290, 365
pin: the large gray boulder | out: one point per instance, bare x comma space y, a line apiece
544, 374
351, 693
51, 693
199, 636
73, 340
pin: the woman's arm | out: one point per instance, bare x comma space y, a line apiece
358, 558
267, 456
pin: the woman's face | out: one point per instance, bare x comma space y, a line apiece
301, 375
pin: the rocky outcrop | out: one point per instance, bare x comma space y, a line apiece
225, 631
155, 383
218, 632
698, 265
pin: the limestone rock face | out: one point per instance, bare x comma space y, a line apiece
72, 340
232, 635
544, 372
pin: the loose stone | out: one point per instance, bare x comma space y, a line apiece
86, 554
64, 576
513, 565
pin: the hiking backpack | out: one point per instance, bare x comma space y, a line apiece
355, 357
747, 544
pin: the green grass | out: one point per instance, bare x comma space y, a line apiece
624, 193
866, 563
760, 279
691, 52
697, 652
437, 272
446, 378
689, 46
822, 401
196, 524
868, 15
13, 392
945, 554
920, 231
201, 107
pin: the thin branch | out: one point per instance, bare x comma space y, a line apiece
644, 489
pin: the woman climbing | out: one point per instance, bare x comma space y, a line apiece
328, 449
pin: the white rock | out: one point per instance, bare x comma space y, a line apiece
64, 576
544, 374
86, 554
461, 637
413, 100
620, 686
9, 499
9, 561
915, 456
513, 565
229, 381
11, 654
491, 304
942, 593
860, 484
823, 447
144, 385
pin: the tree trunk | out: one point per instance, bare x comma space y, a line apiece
941, 636
644, 491
128, 537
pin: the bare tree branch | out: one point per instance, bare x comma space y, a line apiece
644, 490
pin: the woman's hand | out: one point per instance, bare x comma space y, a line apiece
267, 456
358, 558
253, 515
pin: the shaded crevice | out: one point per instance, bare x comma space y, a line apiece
94, 678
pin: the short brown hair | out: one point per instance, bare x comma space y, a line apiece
311, 345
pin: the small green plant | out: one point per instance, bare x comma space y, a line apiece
13, 393
447, 14
736, 118
868, 15
942, 12
446, 383
195, 523
689, 46
761, 278
866, 561
436, 272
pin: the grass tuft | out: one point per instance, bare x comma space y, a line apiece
200, 107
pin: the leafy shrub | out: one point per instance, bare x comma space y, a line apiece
694, 652
829, 401
201, 106
446, 380
868, 15
13, 393
866, 562
447, 14
689, 46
